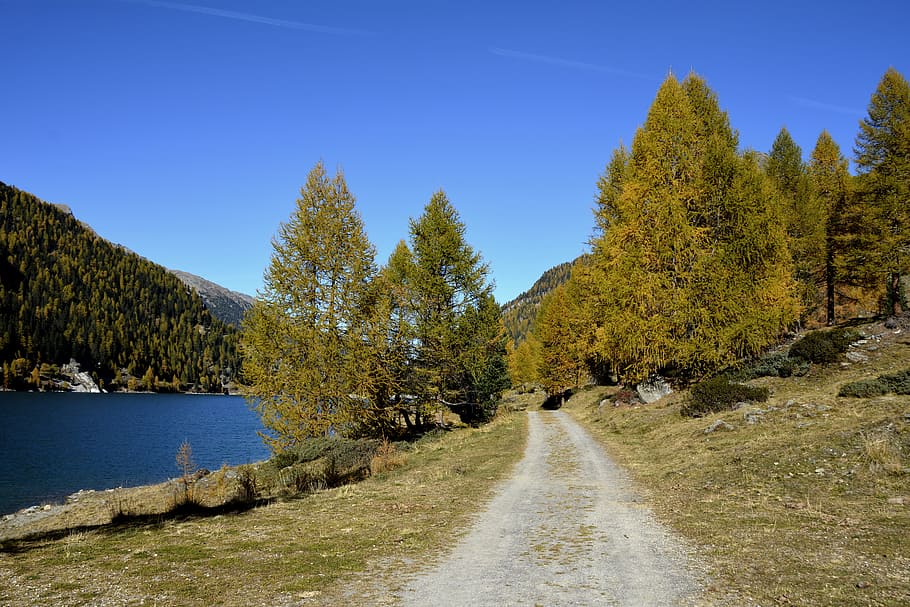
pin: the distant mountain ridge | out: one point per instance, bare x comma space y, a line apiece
518, 315
226, 305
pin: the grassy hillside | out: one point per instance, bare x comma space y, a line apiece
808, 505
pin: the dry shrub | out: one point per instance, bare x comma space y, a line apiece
882, 454
387, 458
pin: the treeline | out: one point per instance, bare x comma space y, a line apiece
335, 345
66, 293
703, 254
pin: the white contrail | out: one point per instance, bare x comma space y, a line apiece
578, 65
820, 105
217, 12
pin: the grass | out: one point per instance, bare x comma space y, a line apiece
810, 505
351, 544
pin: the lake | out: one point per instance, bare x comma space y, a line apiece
54, 444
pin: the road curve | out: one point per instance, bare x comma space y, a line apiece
565, 529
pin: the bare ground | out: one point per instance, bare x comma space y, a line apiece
566, 529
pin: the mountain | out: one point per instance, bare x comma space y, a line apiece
518, 315
68, 294
226, 305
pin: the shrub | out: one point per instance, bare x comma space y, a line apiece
719, 394
247, 484
777, 364
387, 458
899, 383
823, 347
324, 462
865, 388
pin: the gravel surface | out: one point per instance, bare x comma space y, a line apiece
566, 529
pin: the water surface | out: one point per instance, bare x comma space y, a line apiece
54, 444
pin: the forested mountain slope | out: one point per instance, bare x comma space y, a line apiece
518, 315
67, 293
226, 305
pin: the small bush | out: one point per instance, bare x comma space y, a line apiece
865, 388
823, 347
778, 364
899, 383
719, 394
387, 458
247, 484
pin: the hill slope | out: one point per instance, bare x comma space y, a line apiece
518, 315
226, 305
66, 293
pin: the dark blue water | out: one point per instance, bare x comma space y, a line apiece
52, 445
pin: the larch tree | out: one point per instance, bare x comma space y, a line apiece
306, 354
524, 361
804, 216
694, 266
830, 179
882, 153
558, 328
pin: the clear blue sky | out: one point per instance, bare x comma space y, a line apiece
184, 129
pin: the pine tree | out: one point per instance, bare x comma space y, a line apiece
830, 180
303, 340
883, 162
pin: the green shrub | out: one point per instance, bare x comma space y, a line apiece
777, 364
899, 383
323, 462
823, 347
720, 394
865, 388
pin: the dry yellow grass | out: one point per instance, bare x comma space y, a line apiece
315, 549
808, 506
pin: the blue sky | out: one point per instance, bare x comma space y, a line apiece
184, 130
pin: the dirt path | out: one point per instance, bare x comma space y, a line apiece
566, 529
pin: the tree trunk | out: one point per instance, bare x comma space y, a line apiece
894, 294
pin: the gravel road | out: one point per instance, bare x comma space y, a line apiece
566, 529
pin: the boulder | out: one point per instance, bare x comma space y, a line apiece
652, 390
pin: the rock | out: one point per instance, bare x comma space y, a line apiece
653, 390
891, 323
754, 416
741, 405
857, 357
718, 425
898, 501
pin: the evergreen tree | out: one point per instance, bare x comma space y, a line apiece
830, 180
304, 340
883, 162
448, 282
